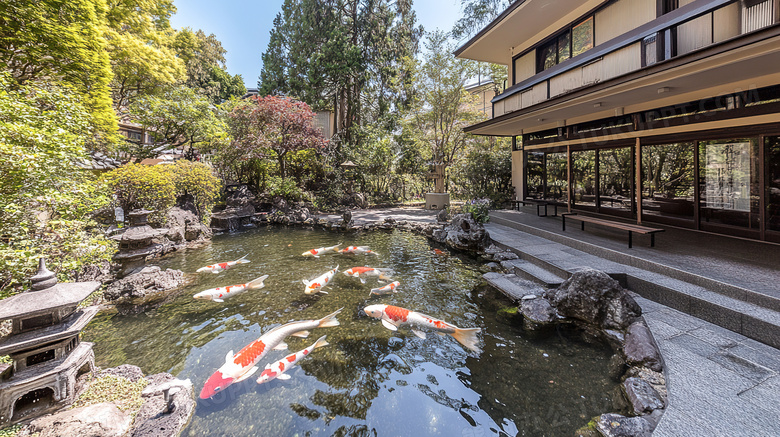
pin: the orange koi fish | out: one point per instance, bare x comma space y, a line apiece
392, 317
316, 284
241, 366
220, 293
357, 250
321, 251
277, 369
387, 289
365, 272
221, 267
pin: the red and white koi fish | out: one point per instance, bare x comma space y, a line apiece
321, 251
367, 272
316, 284
220, 293
392, 317
387, 289
221, 267
357, 250
277, 369
241, 366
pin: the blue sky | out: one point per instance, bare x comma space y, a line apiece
243, 26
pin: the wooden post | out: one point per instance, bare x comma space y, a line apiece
638, 183
568, 177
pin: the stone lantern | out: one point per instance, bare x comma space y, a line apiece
44, 345
136, 244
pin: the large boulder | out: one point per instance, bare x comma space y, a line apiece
593, 297
154, 419
99, 420
640, 348
464, 233
144, 285
183, 227
642, 396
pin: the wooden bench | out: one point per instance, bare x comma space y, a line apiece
515, 204
631, 228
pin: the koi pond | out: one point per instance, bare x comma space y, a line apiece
369, 380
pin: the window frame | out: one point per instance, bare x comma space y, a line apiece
555, 42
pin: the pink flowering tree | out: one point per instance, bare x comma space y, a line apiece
271, 127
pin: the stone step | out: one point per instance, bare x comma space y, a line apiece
729, 290
753, 321
533, 272
725, 307
513, 286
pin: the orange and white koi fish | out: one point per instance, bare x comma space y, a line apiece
241, 366
321, 251
392, 317
220, 293
221, 267
277, 369
439, 252
357, 250
316, 284
366, 272
387, 289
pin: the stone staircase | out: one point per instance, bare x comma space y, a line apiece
547, 259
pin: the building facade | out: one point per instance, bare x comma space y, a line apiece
662, 111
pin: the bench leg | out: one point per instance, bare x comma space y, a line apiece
629, 239
652, 240
583, 226
564, 222
555, 210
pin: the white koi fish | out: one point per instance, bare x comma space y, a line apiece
220, 293
277, 369
357, 250
387, 289
316, 284
321, 251
392, 317
366, 272
221, 267
241, 366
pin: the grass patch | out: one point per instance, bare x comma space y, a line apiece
125, 394
10, 431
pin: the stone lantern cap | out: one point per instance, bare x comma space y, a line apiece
47, 300
139, 216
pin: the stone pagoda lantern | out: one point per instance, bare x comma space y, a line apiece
135, 244
44, 345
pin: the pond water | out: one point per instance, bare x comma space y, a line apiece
369, 380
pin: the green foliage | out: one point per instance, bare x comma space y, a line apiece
486, 171
478, 209
116, 389
284, 188
60, 40
350, 56
45, 198
143, 186
177, 117
197, 180
204, 60
442, 108
477, 14
10, 431
142, 49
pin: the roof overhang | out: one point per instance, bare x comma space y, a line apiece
710, 72
518, 25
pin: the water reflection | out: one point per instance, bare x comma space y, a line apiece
370, 380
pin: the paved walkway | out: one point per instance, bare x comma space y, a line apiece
366, 216
720, 383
